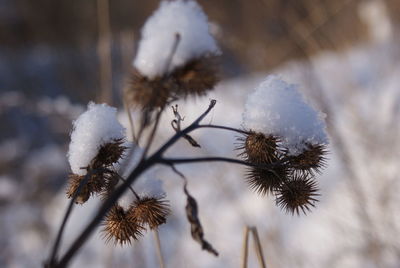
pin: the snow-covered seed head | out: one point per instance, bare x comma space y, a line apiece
121, 228
175, 34
194, 78
278, 108
197, 76
259, 148
93, 131
94, 184
265, 181
310, 160
176, 57
148, 93
109, 154
152, 211
298, 193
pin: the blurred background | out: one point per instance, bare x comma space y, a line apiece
56, 56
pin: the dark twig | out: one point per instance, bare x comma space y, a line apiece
176, 125
106, 206
60, 232
224, 127
152, 134
172, 161
188, 129
130, 187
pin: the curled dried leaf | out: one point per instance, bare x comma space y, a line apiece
195, 225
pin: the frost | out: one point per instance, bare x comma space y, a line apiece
158, 37
276, 107
95, 127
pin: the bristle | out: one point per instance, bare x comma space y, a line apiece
146, 93
197, 76
94, 185
194, 78
265, 181
311, 160
109, 154
259, 148
150, 210
120, 227
298, 193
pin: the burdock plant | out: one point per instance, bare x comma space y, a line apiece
282, 140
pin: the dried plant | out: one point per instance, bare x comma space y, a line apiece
313, 159
121, 226
274, 165
298, 193
151, 211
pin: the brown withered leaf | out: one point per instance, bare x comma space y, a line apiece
176, 125
195, 225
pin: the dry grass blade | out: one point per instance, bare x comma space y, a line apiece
258, 246
245, 247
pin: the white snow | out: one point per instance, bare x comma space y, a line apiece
95, 127
276, 107
159, 36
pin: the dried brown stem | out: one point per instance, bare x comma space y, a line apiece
143, 165
245, 247
258, 247
56, 245
158, 247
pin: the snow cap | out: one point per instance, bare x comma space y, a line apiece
278, 108
185, 18
92, 129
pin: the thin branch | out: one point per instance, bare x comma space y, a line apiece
152, 134
128, 111
140, 168
180, 174
172, 161
185, 131
224, 127
130, 187
104, 208
60, 232
176, 125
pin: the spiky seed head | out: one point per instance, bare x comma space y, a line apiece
259, 148
298, 193
194, 78
152, 211
312, 159
109, 153
265, 181
111, 180
121, 228
197, 76
94, 185
148, 93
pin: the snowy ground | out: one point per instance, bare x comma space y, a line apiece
355, 224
